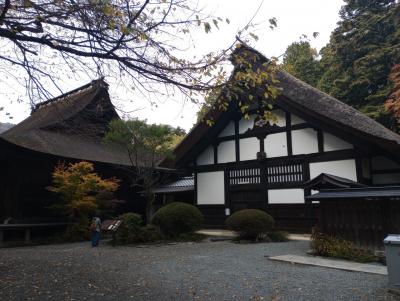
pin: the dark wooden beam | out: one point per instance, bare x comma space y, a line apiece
236, 137
320, 136
289, 134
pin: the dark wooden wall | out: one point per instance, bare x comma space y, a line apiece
25, 175
365, 222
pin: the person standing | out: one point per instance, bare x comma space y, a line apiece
95, 227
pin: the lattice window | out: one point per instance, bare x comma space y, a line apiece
245, 176
290, 173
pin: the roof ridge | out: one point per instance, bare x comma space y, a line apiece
97, 82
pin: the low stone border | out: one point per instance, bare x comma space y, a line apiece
333, 264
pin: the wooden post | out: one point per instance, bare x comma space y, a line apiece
1, 237
27, 235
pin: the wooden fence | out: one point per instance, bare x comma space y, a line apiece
364, 221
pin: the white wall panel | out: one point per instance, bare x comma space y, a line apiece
286, 196
226, 151
210, 188
245, 124
304, 141
333, 143
229, 130
296, 120
249, 148
340, 168
280, 118
275, 145
206, 157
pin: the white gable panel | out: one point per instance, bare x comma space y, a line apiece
296, 120
341, 168
280, 118
249, 147
229, 130
379, 163
286, 196
226, 151
245, 124
333, 143
206, 157
210, 188
304, 141
275, 145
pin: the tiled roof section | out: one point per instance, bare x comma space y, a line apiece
351, 193
180, 185
325, 180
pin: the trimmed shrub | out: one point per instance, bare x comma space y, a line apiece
329, 246
177, 218
278, 236
130, 229
251, 224
149, 233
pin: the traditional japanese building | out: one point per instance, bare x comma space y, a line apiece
68, 128
316, 140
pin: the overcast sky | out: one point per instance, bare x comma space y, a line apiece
294, 19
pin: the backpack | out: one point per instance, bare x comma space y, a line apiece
93, 226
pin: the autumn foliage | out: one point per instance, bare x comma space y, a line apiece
392, 104
82, 193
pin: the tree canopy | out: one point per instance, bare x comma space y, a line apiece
355, 65
139, 41
146, 144
301, 60
82, 193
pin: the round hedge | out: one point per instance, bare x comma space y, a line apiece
250, 223
177, 218
130, 228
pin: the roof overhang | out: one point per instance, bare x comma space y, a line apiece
387, 192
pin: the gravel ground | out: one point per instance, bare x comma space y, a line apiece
183, 271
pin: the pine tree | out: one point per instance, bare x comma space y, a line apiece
300, 60
362, 50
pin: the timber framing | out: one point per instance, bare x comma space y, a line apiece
266, 164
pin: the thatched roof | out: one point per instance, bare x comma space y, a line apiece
71, 126
306, 101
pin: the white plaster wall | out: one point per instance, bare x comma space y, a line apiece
296, 120
210, 188
390, 178
249, 148
280, 118
304, 141
206, 157
275, 145
286, 196
380, 162
333, 143
229, 130
226, 151
341, 168
245, 124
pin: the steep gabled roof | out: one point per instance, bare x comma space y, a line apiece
312, 104
328, 181
72, 126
